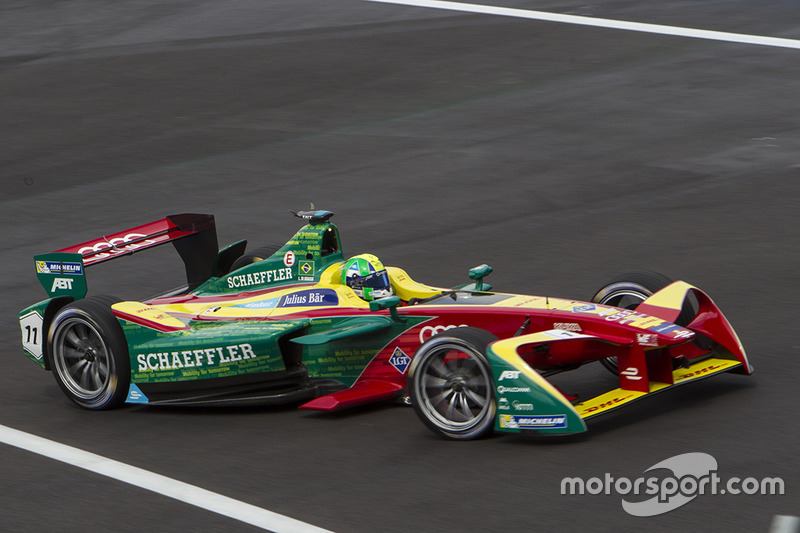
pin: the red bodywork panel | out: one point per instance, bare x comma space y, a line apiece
365, 391
141, 237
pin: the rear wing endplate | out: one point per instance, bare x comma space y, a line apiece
194, 236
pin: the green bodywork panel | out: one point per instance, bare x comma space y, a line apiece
61, 274
349, 328
344, 359
206, 350
526, 404
301, 260
231, 348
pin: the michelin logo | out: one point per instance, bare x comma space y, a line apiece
533, 422
54, 267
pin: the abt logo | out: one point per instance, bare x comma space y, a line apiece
509, 374
61, 284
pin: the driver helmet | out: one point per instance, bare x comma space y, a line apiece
366, 275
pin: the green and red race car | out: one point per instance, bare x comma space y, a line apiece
300, 323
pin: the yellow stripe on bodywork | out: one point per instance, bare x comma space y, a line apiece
406, 288
527, 302
237, 309
149, 313
671, 296
331, 275
618, 397
706, 368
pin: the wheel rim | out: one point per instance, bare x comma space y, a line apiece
81, 358
625, 298
455, 388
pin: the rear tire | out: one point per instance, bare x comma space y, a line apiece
89, 355
451, 385
259, 254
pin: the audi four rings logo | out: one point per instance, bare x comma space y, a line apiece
429, 331
119, 245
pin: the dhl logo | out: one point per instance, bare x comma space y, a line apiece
605, 405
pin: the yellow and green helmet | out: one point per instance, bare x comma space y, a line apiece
366, 275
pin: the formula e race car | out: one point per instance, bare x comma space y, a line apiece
297, 323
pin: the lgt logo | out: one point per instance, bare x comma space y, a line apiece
62, 284
509, 374
399, 360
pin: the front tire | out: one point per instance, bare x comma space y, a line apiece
451, 385
89, 355
628, 291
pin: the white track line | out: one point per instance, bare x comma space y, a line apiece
784, 524
178, 490
599, 22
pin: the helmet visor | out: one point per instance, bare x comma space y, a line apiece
376, 280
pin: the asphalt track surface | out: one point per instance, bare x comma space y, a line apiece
560, 154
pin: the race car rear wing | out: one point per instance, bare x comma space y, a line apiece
193, 235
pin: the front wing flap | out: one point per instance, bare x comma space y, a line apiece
618, 397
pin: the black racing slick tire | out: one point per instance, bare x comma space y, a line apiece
259, 254
89, 355
628, 291
631, 289
450, 384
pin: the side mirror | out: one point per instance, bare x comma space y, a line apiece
478, 273
389, 303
